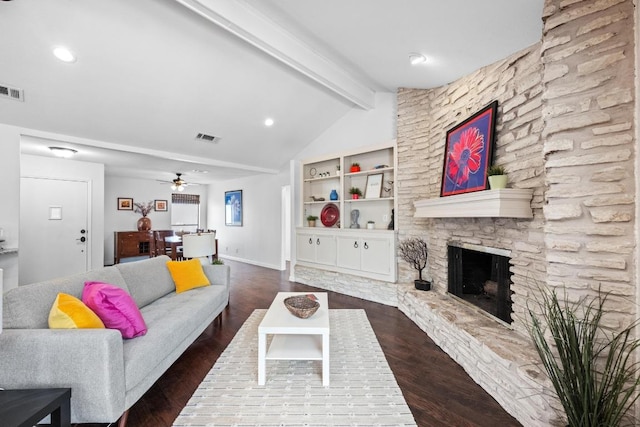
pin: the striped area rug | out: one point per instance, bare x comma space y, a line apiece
363, 390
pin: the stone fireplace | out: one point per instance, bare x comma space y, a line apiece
566, 133
480, 276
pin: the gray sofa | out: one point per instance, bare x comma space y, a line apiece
106, 373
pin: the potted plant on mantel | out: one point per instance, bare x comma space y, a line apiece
311, 219
355, 192
355, 167
497, 177
414, 251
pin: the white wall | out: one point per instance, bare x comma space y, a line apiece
259, 240
10, 201
141, 190
93, 173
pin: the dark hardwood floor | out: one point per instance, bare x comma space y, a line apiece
437, 390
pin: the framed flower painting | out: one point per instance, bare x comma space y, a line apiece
468, 150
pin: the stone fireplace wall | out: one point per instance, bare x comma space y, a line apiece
424, 116
565, 130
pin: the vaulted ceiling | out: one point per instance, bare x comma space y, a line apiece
152, 74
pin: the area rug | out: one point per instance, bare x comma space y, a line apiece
362, 391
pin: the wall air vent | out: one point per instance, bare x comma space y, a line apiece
208, 138
11, 93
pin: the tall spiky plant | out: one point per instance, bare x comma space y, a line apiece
592, 368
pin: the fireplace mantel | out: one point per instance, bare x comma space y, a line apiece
502, 203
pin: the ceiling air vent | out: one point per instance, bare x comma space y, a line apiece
11, 92
208, 138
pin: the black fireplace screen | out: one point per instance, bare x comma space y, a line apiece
482, 279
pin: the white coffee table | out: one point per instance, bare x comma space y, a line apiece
294, 338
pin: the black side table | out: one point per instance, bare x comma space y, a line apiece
24, 408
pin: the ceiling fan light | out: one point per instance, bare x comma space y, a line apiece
174, 187
181, 188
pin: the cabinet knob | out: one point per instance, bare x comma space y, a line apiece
318, 241
310, 241
366, 246
355, 244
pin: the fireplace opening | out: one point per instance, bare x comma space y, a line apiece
481, 279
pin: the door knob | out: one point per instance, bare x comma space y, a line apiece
82, 239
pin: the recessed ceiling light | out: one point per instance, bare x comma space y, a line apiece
269, 122
64, 54
417, 58
63, 152
199, 171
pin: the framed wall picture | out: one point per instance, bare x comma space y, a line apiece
160, 205
125, 204
468, 150
233, 208
373, 190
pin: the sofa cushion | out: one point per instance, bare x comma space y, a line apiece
28, 306
148, 279
115, 307
187, 275
68, 312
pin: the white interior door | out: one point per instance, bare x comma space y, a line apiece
53, 228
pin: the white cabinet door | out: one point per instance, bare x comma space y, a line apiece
348, 252
325, 249
375, 255
306, 247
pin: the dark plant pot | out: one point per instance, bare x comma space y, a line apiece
422, 285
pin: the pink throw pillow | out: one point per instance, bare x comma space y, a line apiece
115, 307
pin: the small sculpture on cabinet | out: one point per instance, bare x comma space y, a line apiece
355, 214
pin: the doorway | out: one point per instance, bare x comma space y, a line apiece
54, 224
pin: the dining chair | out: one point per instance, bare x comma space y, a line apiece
161, 248
200, 245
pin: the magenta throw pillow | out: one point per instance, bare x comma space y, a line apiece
115, 307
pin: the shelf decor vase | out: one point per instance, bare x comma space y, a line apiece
144, 224
333, 195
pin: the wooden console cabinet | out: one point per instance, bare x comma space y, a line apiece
132, 244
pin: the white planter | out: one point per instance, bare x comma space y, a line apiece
370, 226
497, 181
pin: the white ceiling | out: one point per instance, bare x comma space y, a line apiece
152, 74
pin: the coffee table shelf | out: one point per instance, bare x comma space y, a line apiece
295, 347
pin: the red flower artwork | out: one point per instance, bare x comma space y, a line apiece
466, 156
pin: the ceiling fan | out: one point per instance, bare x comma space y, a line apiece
178, 183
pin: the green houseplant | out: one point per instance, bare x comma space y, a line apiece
497, 177
355, 192
592, 368
311, 219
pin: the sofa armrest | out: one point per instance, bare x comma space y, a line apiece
89, 361
218, 274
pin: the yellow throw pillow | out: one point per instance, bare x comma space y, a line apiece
68, 312
187, 274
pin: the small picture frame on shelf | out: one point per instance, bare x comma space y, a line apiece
373, 190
